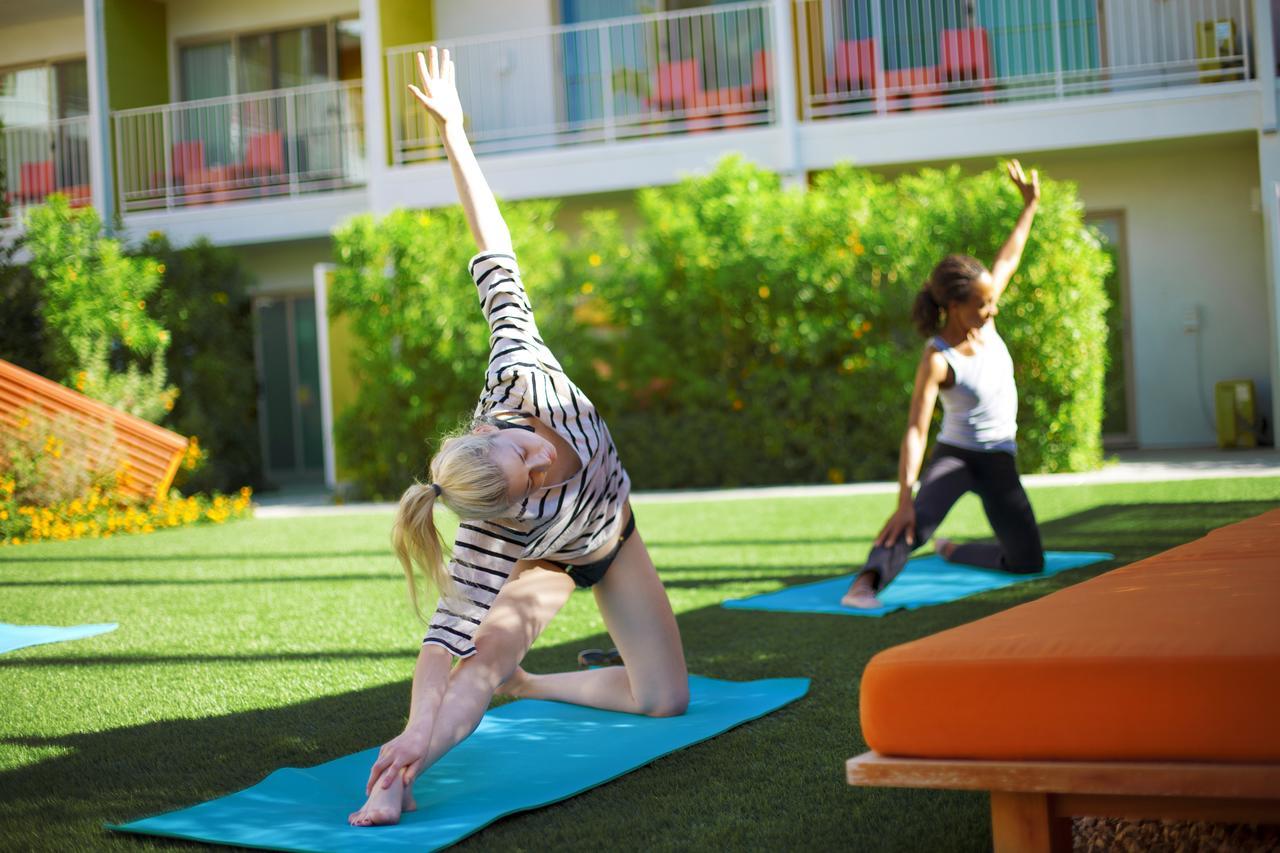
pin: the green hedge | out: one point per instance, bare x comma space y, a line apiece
204, 302
739, 334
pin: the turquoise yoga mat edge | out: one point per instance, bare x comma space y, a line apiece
898, 597
790, 690
47, 634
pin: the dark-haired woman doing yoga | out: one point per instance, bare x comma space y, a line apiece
966, 363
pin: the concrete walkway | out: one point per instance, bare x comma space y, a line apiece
1132, 466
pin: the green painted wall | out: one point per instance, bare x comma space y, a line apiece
342, 382
402, 22
137, 53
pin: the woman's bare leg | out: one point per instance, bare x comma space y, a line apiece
521, 611
638, 616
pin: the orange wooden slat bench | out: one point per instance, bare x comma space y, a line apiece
152, 453
1152, 691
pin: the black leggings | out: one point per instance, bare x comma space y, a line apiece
993, 475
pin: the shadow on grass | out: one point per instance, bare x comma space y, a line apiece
142, 660
235, 579
749, 788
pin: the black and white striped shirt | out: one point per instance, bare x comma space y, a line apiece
560, 522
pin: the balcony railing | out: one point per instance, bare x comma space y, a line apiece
265, 144
865, 56
648, 75
41, 159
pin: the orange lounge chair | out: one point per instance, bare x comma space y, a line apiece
153, 453
1151, 691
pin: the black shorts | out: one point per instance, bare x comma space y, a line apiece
590, 574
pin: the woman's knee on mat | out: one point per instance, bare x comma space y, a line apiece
1030, 563
670, 701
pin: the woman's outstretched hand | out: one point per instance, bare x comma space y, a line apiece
1030, 189
403, 754
901, 523
438, 92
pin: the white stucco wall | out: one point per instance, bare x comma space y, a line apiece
41, 41
285, 267
196, 18
1141, 33
518, 70
1195, 252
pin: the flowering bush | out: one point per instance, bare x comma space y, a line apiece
101, 515
55, 484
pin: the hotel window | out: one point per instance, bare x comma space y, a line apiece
276, 59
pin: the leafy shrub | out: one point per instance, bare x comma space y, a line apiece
205, 306
761, 336
22, 335
94, 310
740, 333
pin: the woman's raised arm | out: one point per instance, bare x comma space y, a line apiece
439, 95
1010, 254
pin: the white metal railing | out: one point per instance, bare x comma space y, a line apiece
647, 75
862, 56
41, 159
263, 144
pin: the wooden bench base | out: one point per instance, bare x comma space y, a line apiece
1032, 802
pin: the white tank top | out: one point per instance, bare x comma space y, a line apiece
980, 411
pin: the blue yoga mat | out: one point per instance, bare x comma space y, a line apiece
924, 581
524, 755
18, 636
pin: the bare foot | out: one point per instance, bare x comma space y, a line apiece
862, 594
945, 547
515, 684
384, 805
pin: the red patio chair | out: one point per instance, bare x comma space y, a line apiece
965, 56
857, 66
760, 75
264, 154
678, 85
35, 180
187, 161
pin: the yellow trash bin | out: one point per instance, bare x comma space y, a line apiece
1237, 413
1216, 50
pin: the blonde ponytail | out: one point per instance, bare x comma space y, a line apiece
417, 540
467, 480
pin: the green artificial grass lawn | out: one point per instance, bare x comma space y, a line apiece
273, 643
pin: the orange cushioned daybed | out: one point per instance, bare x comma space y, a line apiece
1152, 690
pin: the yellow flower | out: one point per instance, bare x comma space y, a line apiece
764, 292
594, 260
160, 268
141, 304
587, 287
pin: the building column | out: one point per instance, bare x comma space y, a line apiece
1269, 193
101, 173
372, 64
784, 92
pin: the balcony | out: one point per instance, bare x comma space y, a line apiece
278, 144
863, 57
692, 73
45, 158
626, 78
